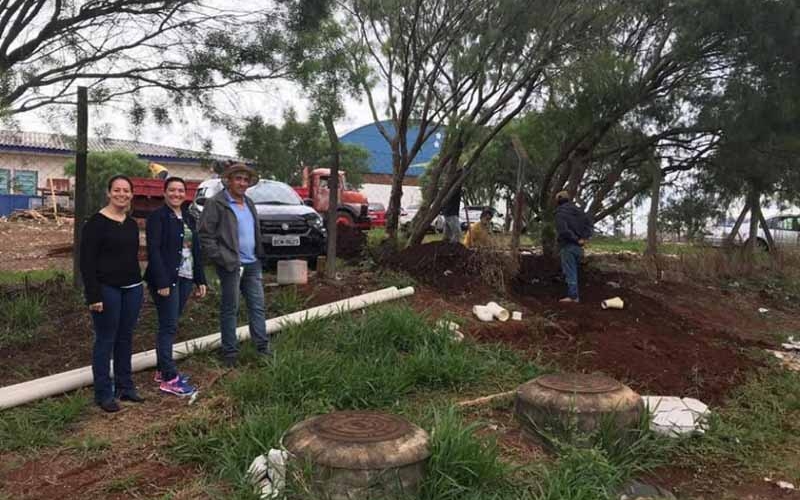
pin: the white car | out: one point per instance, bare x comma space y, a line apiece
471, 214
784, 229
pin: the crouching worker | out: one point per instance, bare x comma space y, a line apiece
174, 269
574, 228
480, 233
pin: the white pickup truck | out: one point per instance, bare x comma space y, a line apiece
785, 231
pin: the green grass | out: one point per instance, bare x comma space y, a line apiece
20, 315
384, 359
41, 424
88, 447
757, 432
288, 300
614, 245
35, 276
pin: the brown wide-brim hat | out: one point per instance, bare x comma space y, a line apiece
238, 168
562, 195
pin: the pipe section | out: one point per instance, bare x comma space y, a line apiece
26, 392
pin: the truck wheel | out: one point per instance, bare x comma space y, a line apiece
344, 219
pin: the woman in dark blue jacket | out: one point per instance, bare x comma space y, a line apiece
174, 268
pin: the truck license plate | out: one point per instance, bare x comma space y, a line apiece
286, 241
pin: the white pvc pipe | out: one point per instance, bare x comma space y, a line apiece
52, 385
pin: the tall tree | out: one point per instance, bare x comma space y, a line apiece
465, 67
282, 152
186, 48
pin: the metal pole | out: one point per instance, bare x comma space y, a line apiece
80, 182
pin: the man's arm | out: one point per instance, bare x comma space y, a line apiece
207, 231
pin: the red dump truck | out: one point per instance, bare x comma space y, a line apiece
148, 195
353, 209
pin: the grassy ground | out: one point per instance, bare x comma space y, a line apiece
394, 359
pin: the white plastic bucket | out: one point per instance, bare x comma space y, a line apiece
292, 272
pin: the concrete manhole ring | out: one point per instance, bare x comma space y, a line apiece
360, 427
579, 382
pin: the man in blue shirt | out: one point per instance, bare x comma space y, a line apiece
230, 237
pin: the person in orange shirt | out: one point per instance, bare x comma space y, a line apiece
480, 233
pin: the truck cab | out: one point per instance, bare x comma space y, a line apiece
353, 209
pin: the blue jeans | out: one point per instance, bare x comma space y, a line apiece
571, 255
169, 310
250, 285
113, 336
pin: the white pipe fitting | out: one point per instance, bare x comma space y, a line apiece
498, 311
613, 303
59, 383
483, 313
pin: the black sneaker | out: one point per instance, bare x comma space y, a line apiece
229, 361
109, 406
265, 351
132, 396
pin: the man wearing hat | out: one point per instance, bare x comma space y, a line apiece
229, 236
574, 228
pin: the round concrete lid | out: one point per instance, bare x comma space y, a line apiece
358, 440
579, 382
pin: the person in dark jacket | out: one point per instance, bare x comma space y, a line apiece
230, 238
452, 221
112, 284
574, 229
174, 269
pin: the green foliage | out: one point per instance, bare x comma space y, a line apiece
461, 465
102, 166
288, 300
756, 431
379, 360
33, 276
687, 213
31, 427
282, 152
20, 316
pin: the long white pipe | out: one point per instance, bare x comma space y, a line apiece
60, 383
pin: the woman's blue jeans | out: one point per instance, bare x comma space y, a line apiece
169, 309
113, 337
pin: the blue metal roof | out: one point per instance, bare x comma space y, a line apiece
380, 161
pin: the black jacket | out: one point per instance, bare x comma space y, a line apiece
572, 224
219, 234
165, 246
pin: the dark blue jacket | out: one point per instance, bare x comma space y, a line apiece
164, 247
572, 224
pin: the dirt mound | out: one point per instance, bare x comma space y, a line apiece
350, 242
645, 345
447, 266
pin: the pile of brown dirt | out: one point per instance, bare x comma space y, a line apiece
446, 266
350, 242
645, 345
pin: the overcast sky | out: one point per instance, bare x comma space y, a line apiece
190, 128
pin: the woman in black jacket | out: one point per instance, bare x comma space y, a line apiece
174, 268
112, 283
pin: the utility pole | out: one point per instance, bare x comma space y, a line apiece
81, 152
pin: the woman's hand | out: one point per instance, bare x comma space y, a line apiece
96, 307
200, 291
164, 292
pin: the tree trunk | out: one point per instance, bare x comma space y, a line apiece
755, 201
735, 231
81, 192
333, 200
652, 219
393, 210
767, 232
